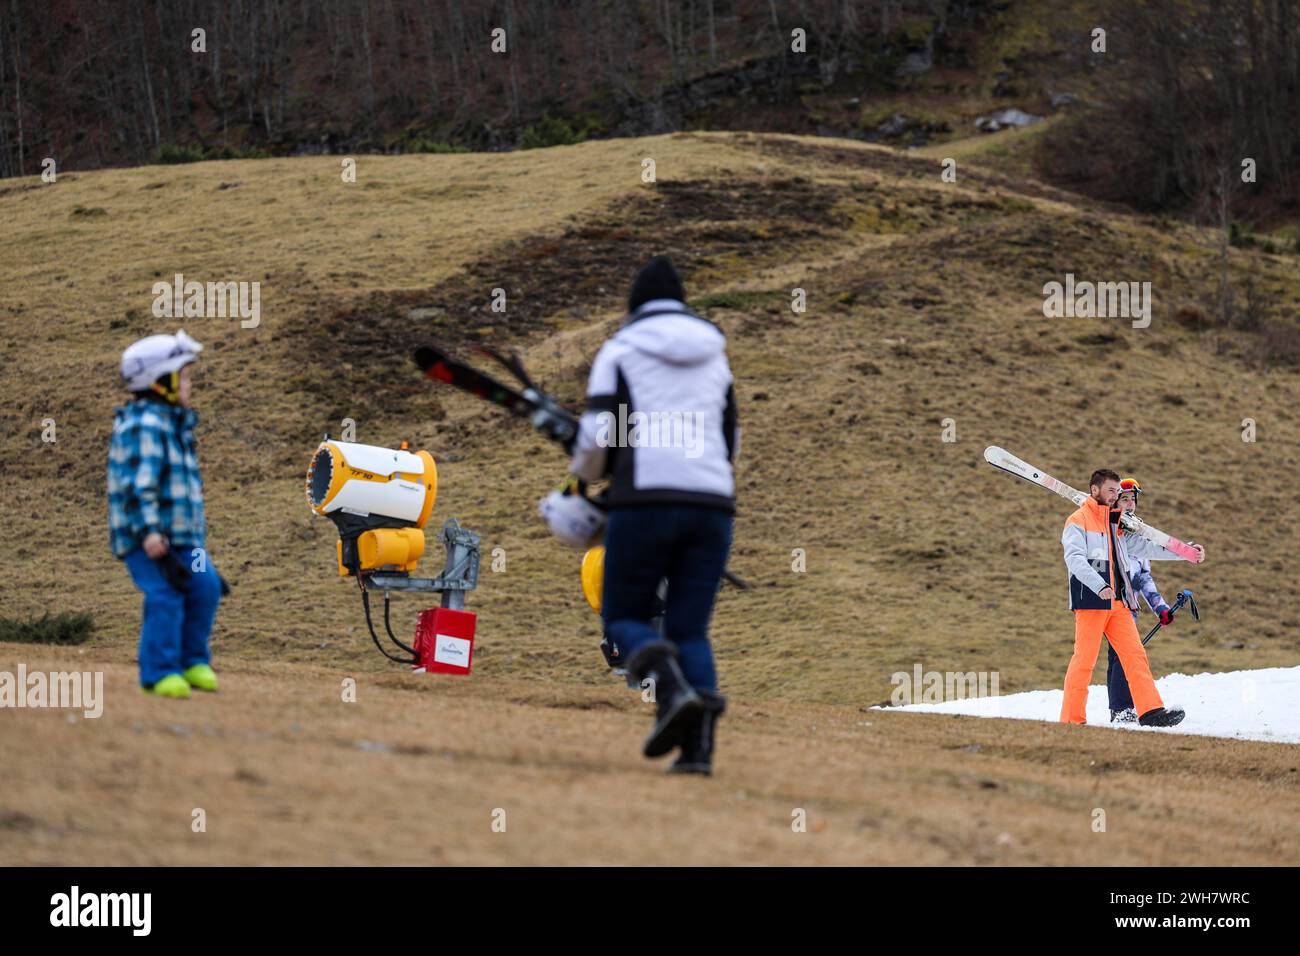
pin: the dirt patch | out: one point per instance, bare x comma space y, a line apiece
848, 157
705, 225
1033, 188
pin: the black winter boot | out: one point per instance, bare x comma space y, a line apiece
676, 703
1160, 717
697, 741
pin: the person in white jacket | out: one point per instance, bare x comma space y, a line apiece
660, 425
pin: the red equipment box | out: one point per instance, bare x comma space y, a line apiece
444, 641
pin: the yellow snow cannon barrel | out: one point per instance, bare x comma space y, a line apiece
593, 575
379, 499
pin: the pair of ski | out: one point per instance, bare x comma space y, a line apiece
528, 401
546, 414
1131, 523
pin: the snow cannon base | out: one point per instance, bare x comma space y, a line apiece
450, 623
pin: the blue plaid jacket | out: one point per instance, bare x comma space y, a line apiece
153, 477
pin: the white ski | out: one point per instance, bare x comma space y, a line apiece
1001, 458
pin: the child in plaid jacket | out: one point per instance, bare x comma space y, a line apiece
155, 516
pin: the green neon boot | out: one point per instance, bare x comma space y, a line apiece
173, 685
201, 677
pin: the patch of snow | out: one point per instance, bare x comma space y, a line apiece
1005, 119
1246, 705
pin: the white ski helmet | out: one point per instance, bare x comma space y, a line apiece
145, 361
572, 518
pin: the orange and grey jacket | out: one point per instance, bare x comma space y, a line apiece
1097, 556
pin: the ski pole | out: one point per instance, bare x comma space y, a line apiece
1184, 597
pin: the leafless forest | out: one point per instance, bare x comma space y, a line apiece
1181, 92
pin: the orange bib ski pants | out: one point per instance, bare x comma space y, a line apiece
1118, 627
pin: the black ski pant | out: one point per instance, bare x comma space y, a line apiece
688, 545
1116, 684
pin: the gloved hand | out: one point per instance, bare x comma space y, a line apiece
1166, 615
175, 571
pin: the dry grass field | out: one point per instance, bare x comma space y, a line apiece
416, 773
924, 305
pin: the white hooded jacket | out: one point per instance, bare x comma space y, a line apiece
661, 412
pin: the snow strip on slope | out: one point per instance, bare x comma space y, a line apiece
1249, 705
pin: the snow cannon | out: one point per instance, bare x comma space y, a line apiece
380, 500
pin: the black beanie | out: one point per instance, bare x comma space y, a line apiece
658, 280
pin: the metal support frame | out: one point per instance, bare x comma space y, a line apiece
459, 574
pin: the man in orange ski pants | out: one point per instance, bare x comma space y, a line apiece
1102, 599
1117, 625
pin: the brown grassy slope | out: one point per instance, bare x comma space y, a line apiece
416, 771
924, 304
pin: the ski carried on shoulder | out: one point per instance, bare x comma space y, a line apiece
528, 401
1132, 524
